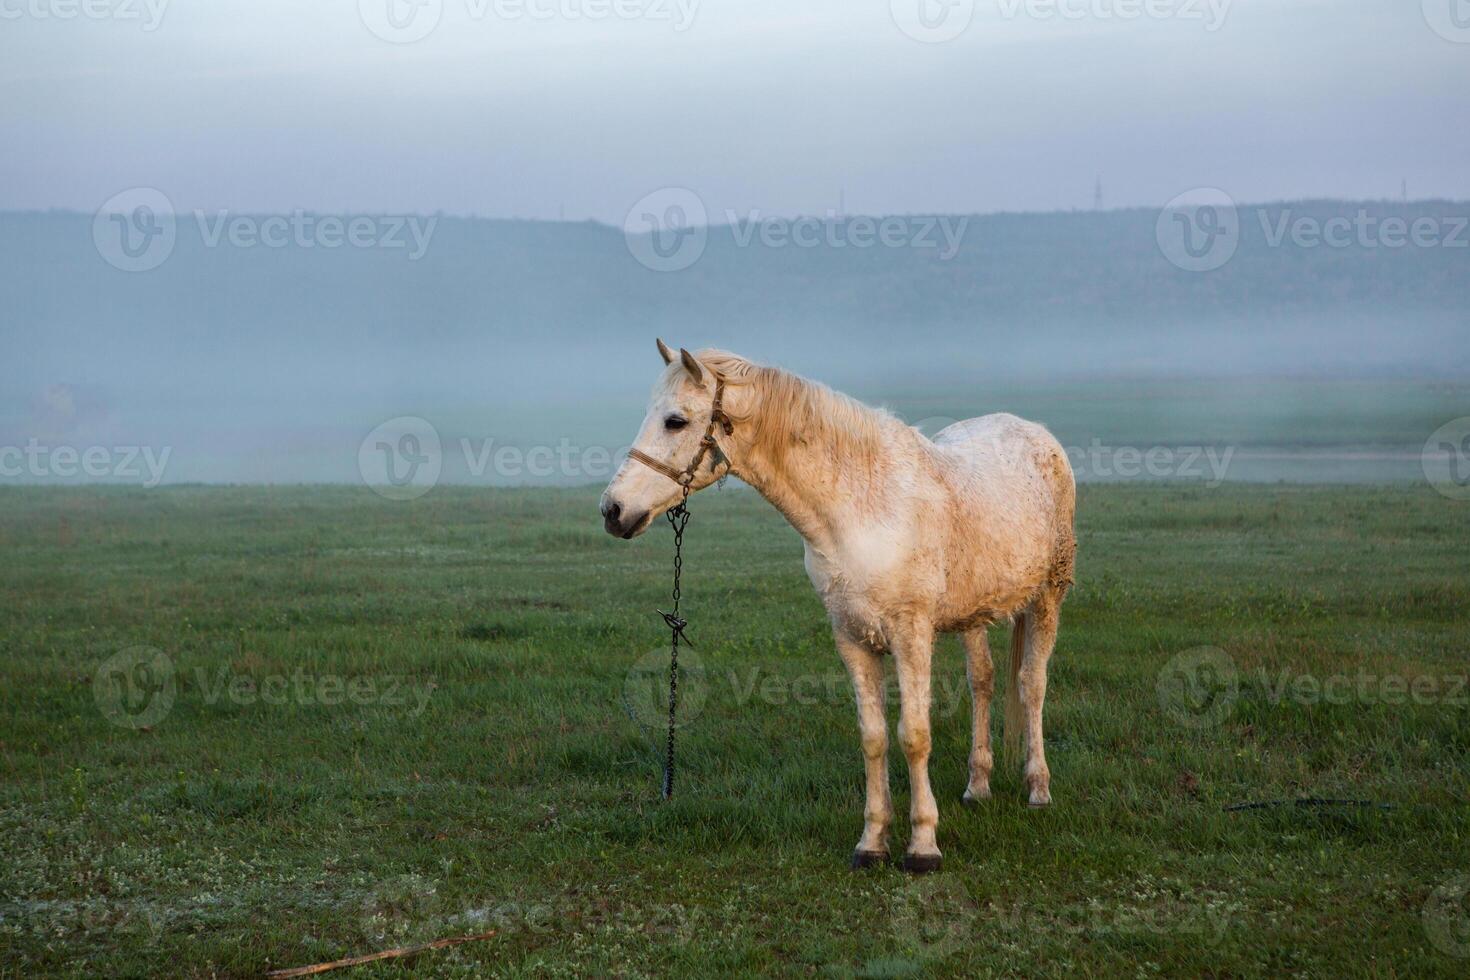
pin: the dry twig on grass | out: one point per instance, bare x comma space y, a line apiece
387, 954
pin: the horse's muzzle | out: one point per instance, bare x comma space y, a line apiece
614, 522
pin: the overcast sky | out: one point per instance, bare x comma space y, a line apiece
537, 108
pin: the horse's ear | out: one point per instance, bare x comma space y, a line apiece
663, 350
692, 366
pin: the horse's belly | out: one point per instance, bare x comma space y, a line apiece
999, 572
962, 610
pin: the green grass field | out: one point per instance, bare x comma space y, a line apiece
352, 724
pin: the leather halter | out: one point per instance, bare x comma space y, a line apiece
707, 445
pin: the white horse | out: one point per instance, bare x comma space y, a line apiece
905, 537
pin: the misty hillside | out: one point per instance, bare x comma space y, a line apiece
545, 326
1069, 291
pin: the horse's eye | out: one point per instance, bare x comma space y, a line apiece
673, 423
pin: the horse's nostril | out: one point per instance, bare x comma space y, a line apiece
612, 512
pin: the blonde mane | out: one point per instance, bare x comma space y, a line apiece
783, 403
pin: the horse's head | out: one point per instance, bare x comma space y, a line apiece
670, 442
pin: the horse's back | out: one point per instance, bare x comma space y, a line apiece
1006, 447
1013, 477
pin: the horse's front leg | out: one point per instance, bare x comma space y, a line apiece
866, 669
913, 647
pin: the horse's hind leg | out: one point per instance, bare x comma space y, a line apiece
1041, 622
982, 685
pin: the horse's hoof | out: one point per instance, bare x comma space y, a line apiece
868, 859
921, 864
974, 799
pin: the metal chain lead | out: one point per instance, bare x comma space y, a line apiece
678, 517
678, 520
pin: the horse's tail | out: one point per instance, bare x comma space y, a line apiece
1013, 688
